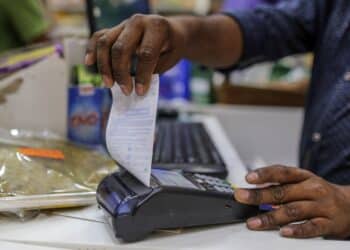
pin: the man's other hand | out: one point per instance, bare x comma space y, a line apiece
319, 207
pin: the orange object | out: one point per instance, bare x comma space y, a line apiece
42, 153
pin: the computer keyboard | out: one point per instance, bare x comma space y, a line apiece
186, 146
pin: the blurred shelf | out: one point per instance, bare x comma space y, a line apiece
244, 95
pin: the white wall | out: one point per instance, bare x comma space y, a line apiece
40, 100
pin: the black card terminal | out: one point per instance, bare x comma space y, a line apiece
174, 200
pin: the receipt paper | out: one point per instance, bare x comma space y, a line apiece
130, 130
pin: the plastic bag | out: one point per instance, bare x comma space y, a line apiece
40, 170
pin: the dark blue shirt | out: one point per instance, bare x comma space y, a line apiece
243, 4
322, 27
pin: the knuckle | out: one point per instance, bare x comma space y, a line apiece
292, 211
89, 48
270, 172
282, 171
322, 191
314, 228
262, 173
300, 231
102, 41
137, 18
118, 49
285, 171
118, 75
278, 193
159, 22
306, 172
308, 229
255, 196
318, 188
98, 33
147, 54
268, 220
278, 166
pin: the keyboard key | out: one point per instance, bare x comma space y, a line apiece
179, 157
158, 144
200, 145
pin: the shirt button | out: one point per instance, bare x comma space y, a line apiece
347, 76
316, 137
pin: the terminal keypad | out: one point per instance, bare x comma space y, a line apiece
213, 184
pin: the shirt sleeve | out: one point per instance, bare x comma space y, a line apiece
27, 18
272, 32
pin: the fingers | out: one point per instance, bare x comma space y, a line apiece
113, 50
278, 174
122, 52
274, 195
149, 52
304, 196
291, 212
90, 57
103, 44
309, 229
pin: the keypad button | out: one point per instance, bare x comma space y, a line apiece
222, 184
199, 180
211, 182
199, 176
220, 189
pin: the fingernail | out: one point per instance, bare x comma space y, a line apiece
242, 195
125, 90
87, 59
253, 176
107, 80
254, 223
286, 231
140, 89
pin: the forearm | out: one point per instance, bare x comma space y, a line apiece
215, 41
159, 43
346, 191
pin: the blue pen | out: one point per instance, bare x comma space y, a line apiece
268, 207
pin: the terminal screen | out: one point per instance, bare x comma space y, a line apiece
172, 179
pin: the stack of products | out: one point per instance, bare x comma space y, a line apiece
187, 82
19, 59
174, 83
201, 85
88, 107
40, 171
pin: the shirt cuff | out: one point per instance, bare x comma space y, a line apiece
252, 33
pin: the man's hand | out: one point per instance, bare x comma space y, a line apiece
159, 43
319, 207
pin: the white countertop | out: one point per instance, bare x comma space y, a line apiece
86, 228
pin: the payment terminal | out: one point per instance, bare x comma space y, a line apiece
174, 200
